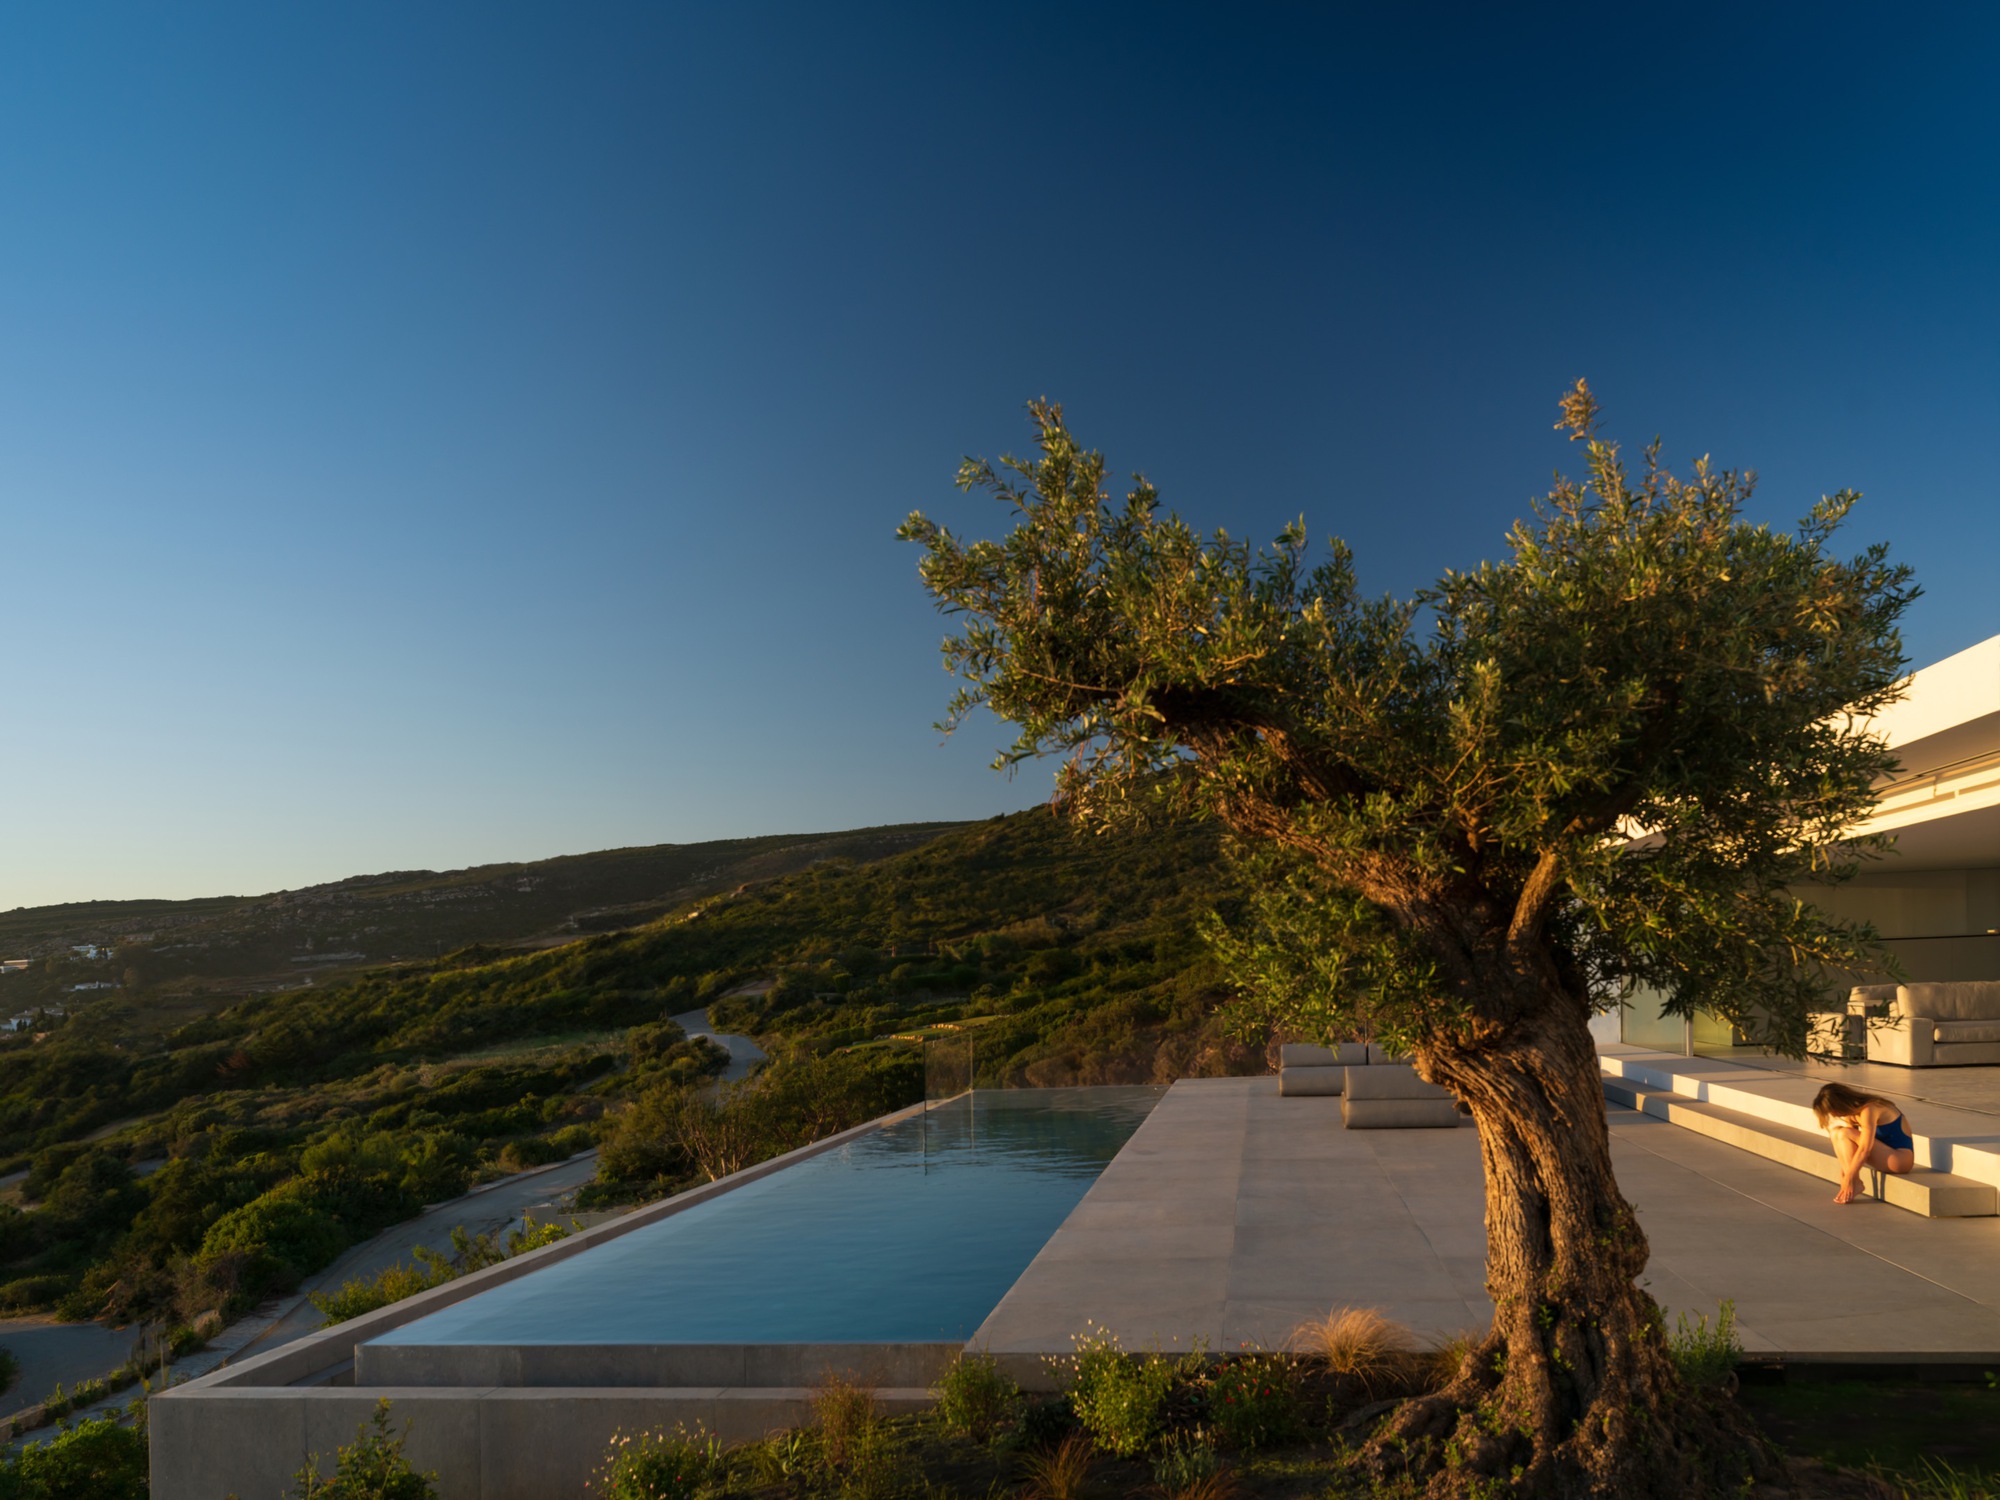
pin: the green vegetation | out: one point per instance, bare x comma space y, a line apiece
1902, 1426
1312, 1419
469, 1253
372, 1467
166, 956
1436, 807
1121, 1399
976, 1399
676, 1465
180, 1178
95, 1460
1707, 1355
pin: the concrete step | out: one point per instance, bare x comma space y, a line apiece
1963, 1143
1933, 1194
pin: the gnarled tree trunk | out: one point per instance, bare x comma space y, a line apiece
1573, 1392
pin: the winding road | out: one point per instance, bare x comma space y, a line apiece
72, 1352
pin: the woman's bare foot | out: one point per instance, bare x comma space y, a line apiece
1846, 1193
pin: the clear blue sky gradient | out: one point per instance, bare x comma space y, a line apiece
433, 435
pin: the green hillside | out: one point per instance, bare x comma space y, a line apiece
249, 1146
170, 959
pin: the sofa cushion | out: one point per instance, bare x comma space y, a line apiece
1398, 1114
1966, 1031
1390, 1081
1864, 995
1310, 1083
1307, 1055
1965, 1000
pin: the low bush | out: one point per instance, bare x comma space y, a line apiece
976, 1399
372, 1467
364, 1294
1707, 1355
1191, 1471
95, 1460
1120, 1398
676, 1465
1252, 1402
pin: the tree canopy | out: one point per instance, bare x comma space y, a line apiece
1629, 744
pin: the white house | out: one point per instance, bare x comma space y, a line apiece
1936, 899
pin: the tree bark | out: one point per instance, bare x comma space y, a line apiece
1573, 1392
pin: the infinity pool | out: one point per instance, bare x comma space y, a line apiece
909, 1233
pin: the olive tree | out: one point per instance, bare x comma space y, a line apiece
1470, 819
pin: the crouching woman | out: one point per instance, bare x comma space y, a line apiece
1867, 1131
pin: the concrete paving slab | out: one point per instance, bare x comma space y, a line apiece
1394, 1220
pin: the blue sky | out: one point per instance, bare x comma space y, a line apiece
435, 435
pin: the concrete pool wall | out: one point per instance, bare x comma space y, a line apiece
246, 1430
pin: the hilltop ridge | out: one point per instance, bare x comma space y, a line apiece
283, 938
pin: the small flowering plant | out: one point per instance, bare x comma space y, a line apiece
1120, 1398
660, 1465
1252, 1401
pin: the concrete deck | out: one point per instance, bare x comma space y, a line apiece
1234, 1215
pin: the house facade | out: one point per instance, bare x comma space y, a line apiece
1936, 899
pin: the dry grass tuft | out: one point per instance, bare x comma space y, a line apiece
1447, 1359
1361, 1344
1221, 1485
1062, 1472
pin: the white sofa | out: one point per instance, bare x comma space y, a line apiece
1931, 1025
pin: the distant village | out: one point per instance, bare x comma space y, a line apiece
38, 1017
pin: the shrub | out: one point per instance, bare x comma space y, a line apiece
433, 1268
1707, 1356
1120, 1398
372, 1467
1191, 1471
95, 1460
845, 1414
975, 1398
279, 1235
1252, 1402
364, 1294
675, 1465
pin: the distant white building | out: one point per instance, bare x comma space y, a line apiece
14, 965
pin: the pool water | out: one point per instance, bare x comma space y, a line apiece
909, 1233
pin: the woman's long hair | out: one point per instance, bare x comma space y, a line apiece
1837, 1101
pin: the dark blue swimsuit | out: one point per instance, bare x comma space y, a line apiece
1894, 1136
